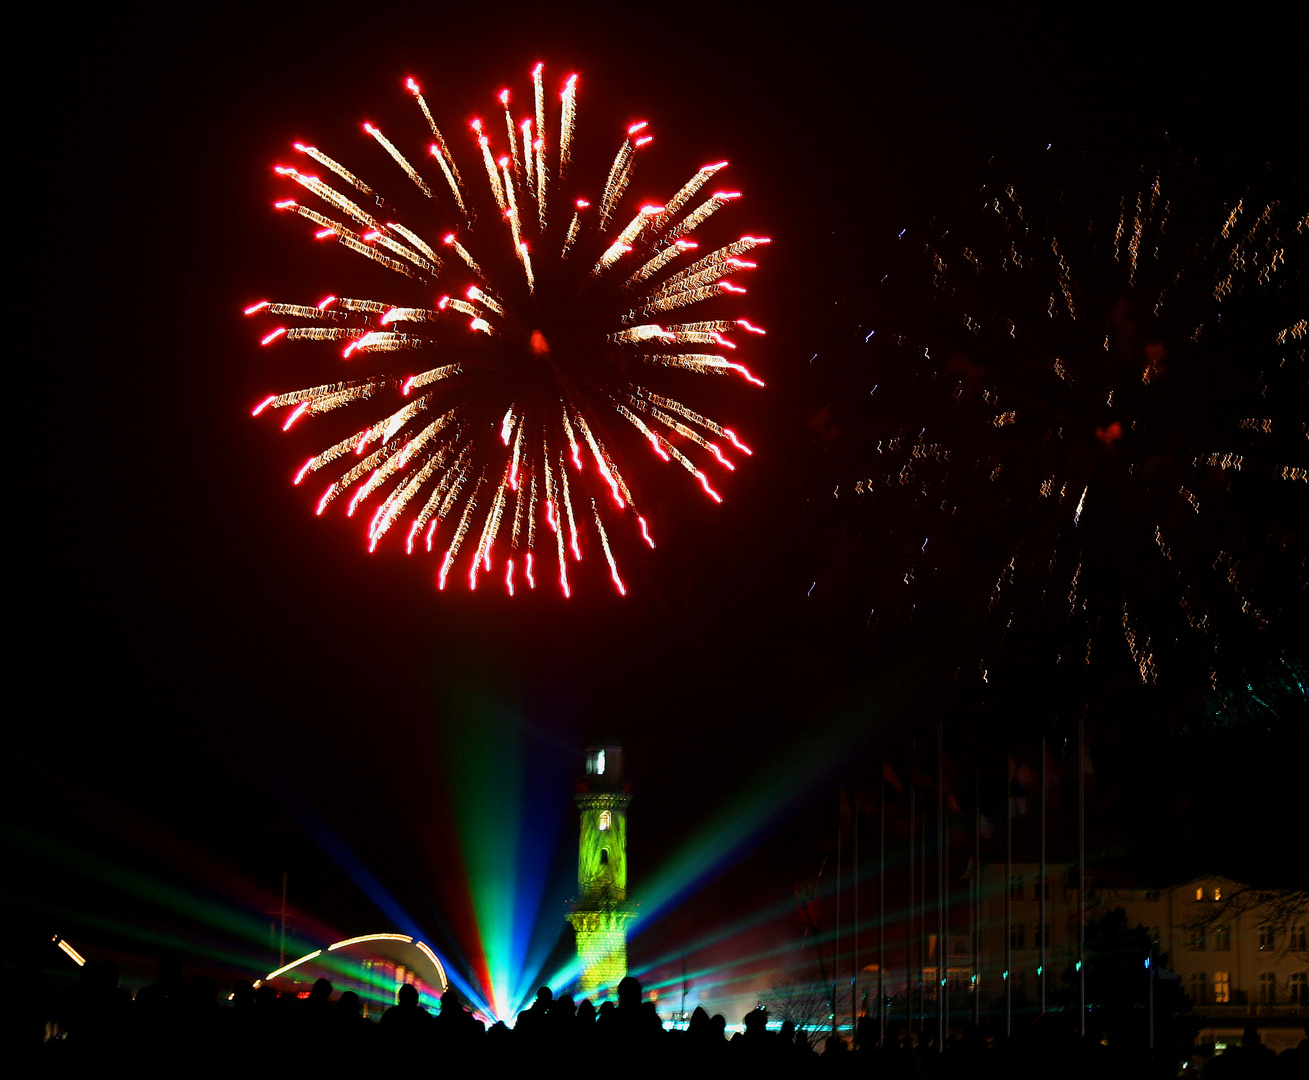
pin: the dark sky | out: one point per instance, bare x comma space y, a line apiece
200, 660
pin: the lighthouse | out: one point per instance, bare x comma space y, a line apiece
601, 911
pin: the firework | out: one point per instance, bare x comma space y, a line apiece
1100, 412
548, 344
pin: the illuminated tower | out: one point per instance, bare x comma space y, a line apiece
601, 911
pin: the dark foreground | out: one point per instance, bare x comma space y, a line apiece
185, 1030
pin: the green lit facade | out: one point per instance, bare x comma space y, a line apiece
601, 911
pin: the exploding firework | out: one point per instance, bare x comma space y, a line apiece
553, 339
1101, 414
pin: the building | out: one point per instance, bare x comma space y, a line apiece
601, 911
1240, 953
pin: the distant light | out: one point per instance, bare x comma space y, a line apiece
70, 952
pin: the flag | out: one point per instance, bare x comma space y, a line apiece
955, 819
1053, 778
1053, 771
1020, 780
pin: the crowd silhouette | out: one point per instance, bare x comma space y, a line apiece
179, 1025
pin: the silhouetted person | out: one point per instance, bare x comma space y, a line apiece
351, 1035
201, 1023
1252, 1060
457, 1029
157, 1007
406, 1027
93, 1014
530, 1027
316, 1013
754, 1048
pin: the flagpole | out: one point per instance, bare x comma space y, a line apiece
1044, 887
1009, 901
854, 923
922, 928
836, 940
941, 999
909, 935
945, 938
881, 916
1081, 875
977, 897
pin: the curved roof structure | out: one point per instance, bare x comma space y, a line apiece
373, 965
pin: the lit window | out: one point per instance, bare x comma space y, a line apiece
1218, 893
1199, 892
1222, 938
605, 820
1267, 988
1300, 987
1222, 987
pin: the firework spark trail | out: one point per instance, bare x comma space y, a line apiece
336, 167
431, 513
439, 150
495, 337
399, 159
609, 555
566, 125
1106, 382
538, 144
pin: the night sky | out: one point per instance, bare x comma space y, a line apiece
212, 686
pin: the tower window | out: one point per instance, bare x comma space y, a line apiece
604, 856
605, 820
